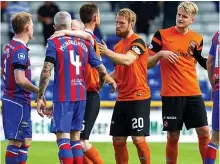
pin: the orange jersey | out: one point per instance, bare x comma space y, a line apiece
132, 79
92, 75
178, 79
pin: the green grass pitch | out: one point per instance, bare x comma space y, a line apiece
46, 153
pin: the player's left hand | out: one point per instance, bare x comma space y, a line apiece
40, 106
103, 48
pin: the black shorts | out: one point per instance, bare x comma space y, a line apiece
91, 113
189, 110
131, 118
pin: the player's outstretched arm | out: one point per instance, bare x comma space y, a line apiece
123, 59
44, 80
22, 81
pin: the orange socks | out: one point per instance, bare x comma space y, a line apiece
86, 160
121, 152
203, 143
143, 152
93, 156
171, 151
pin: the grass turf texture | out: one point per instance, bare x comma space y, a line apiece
46, 153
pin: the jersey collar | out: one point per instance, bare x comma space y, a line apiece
19, 40
89, 31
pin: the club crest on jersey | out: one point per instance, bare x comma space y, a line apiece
136, 50
21, 56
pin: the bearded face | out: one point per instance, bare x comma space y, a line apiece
122, 33
122, 26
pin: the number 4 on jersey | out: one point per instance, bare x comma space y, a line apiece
76, 62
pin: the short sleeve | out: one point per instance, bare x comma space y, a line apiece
137, 47
93, 59
51, 49
20, 58
156, 44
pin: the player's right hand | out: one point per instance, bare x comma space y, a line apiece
40, 106
48, 111
172, 57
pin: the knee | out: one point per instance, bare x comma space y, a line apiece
119, 140
215, 137
15, 143
203, 131
138, 139
85, 145
27, 142
174, 136
75, 135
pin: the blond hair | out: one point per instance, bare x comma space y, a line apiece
188, 7
128, 14
20, 20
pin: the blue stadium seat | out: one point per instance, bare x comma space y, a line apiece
98, 33
108, 64
206, 94
105, 93
155, 93
154, 83
111, 40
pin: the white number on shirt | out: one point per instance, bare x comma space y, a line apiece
76, 62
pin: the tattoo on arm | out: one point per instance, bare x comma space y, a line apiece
44, 78
102, 72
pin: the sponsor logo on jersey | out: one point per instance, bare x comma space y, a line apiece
21, 56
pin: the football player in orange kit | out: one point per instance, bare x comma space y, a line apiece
132, 109
179, 49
